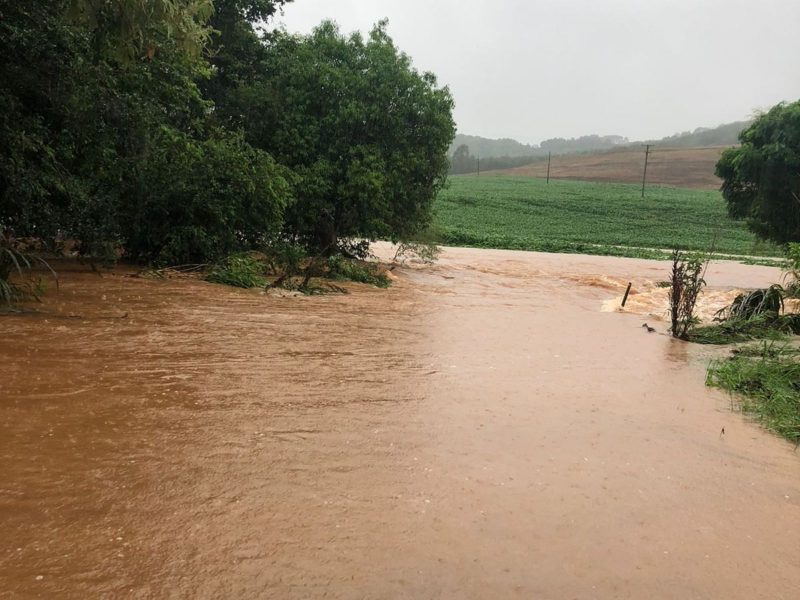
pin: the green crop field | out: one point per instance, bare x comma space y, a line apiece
588, 218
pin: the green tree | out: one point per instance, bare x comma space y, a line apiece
761, 178
201, 200
122, 153
128, 30
463, 161
365, 132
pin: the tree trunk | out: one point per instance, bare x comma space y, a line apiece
326, 238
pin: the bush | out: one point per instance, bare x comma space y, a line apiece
343, 269
203, 200
766, 302
13, 261
239, 271
686, 282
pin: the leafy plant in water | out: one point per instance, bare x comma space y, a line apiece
242, 271
686, 282
767, 302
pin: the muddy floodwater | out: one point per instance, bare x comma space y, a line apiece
489, 427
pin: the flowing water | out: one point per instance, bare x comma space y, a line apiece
489, 427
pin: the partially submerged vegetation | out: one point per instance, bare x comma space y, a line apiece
766, 381
764, 378
295, 271
735, 331
685, 284
15, 262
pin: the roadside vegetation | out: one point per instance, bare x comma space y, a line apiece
765, 379
761, 186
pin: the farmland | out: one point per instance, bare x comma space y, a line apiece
589, 218
681, 167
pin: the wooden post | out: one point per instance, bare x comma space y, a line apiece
644, 175
548, 167
628, 291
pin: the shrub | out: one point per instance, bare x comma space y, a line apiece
766, 302
239, 271
686, 282
341, 268
203, 200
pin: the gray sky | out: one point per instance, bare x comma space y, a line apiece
536, 69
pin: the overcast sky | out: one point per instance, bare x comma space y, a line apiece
536, 69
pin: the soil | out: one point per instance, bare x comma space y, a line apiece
680, 167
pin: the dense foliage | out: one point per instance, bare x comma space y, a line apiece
177, 131
761, 178
463, 162
366, 134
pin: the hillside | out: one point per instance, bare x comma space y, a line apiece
691, 163
680, 167
723, 135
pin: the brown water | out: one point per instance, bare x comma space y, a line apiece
486, 428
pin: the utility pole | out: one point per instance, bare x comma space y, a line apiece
644, 175
548, 167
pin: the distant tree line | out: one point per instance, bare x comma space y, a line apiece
177, 131
463, 161
585, 143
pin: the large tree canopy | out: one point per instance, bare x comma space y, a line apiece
761, 178
365, 132
173, 133
116, 149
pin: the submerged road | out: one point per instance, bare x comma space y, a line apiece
486, 428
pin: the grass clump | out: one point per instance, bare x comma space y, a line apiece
242, 271
343, 269
766, 382
734, 331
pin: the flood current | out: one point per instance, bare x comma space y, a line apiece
492, 426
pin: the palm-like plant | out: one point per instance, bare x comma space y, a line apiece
14, 261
